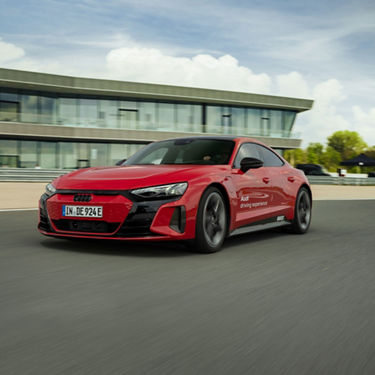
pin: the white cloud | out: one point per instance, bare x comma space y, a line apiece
292, 84
146, 64
324, 119
137, 63
364, 124
152, 65
9, 51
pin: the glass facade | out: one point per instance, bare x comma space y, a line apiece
119, 113
62, 155
66, 110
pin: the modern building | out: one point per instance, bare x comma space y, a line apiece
53, 121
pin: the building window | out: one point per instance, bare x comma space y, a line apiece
107, 115
147, 116
114, 113
28, 154
9, 157
166, 117
128, 115
214, 119
48, 110
68, 111
29, 108
88, 113
253, 121
48, 155
9, 111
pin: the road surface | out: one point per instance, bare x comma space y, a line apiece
268, 303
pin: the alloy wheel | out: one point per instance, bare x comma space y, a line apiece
304, 210
214, 219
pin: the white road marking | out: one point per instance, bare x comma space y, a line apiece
17, 209
343, 199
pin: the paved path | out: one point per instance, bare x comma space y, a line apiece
268, 303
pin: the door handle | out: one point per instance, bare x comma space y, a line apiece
266, 180
291, 179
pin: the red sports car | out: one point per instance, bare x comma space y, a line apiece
200, 189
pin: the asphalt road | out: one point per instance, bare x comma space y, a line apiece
268, 303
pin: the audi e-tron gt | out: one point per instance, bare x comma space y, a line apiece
198, 189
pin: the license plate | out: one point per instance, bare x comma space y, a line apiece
82, 211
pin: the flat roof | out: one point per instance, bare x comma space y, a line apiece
20, 79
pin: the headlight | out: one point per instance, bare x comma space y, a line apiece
50, 190
162, 191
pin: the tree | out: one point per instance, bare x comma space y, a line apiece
370, 152
314, 153
295, 156
331, 159
348, 144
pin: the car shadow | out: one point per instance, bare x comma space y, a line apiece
119, 248
250, 238
265, 235
154, 249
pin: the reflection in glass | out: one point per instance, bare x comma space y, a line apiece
214, 119
9, 157
98, 154
185, 117
253, 121
48, 155
147, 115
48, 110
226, 121
289, 118
107, 116
166, 117
128, 115
28, 156
276, 123
238, 116
115, 113
88, 112
68, 155
68, 111
265, 126
29, 108
9, 111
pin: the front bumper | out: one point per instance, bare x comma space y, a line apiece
123, 217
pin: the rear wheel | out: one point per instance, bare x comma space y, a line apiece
211, 222
302, 212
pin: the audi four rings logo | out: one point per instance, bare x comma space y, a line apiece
82, 198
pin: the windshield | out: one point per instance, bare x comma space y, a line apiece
184, 151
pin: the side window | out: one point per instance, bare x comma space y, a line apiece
247, 150
270, 159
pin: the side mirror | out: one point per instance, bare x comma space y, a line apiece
250, 163
121, 161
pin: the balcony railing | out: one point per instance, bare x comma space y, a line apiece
118, 122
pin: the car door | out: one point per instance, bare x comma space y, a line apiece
253, 190
278, 178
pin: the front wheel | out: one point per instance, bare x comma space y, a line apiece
211, 222
302, 212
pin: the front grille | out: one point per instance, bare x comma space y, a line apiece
82, 197
89, 226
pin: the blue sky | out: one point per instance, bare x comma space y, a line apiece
324, 50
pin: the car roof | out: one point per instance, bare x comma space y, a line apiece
215, 137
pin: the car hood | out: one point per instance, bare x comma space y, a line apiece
134, 176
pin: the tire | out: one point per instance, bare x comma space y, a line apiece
302, 212
211, 223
